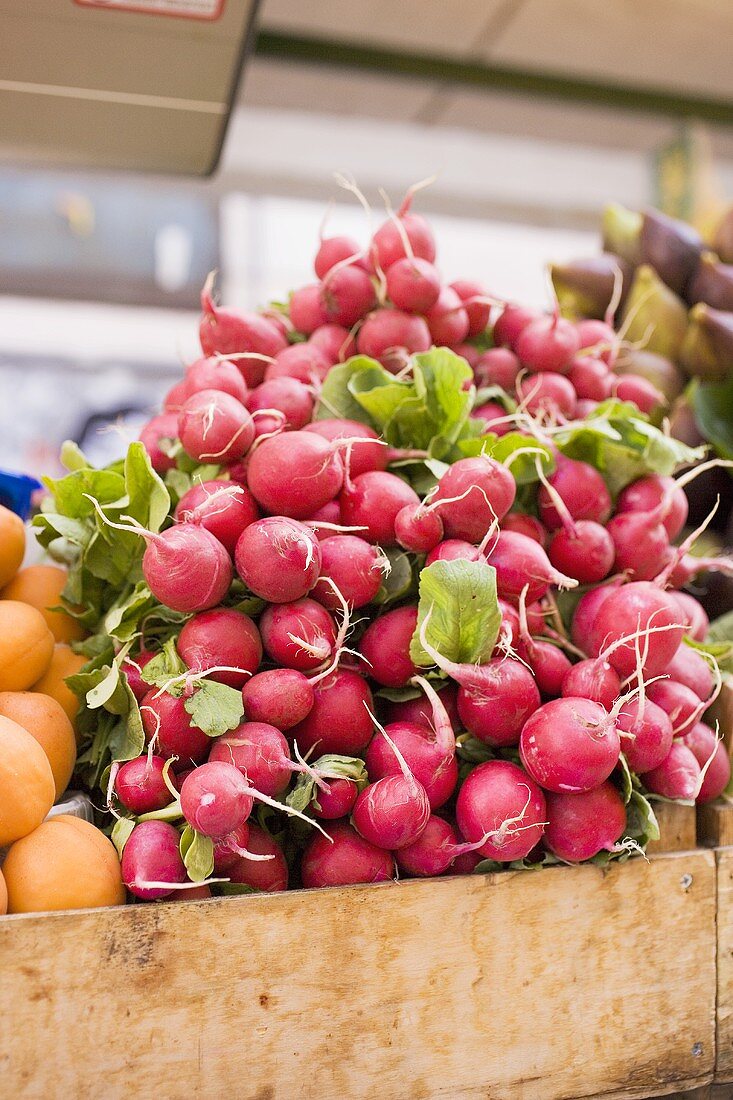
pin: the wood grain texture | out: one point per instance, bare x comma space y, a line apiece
724, 1060
677, 828
566, 983
715, 824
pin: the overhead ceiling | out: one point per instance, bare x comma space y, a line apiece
674, 54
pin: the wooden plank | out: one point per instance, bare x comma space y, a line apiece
677, 828
715, 824
566, 983
724, 1040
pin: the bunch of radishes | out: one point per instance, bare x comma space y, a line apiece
343, 706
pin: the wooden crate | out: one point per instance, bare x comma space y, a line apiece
567, 983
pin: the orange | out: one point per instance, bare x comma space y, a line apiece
41, 587
12, 544
64, 662
27, 787
65, 863
26, 645
47, 722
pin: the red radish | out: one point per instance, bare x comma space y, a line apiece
306, 363
521, 562
215, 799
214, 426
215, 374
391, 335
500, 802
307, 311
287, 396
497, 367
690, 668
176, 395
324, 519
447, 319
433, 851
225, 332
468, 352
373, 500
413, 284
641, 544
344, 860
584, 551
585, 409
158, 428
354, 566
227, 849
186, 568
299, 635
591, 378
495, 416
454, 550
267, 875
419, 711
392, 812
647, 494
549, 665
336, 800
278, 559
582, 490
495, 699
335, 341
640, 391
679, 702
221, 637
294, 474
363, 456
280, 697
548, 344
338, 721
385, 646
132, 668
334, 250
711, 754
511, 322
692, 614
411, 237
678, 776
473, 494
225, 515
525, 525
593, 679
261, 753
429, 750
548, 393
417, 528
168, 724
140, 786
347, 294
151, 862
649, 731
464, 864
474, 298
579, 826
195, 893
598, 335
582, 627
570, 745
636, 612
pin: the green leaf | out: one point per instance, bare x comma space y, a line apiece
331, 766
148, 499
472, 750
336, 399
197, 852
164, 666
460, 598
523, 466
122, 619
719, 641
398, 581
232, 889
215, 708
627, 785
713, 406
120, 834
623, 445
72, 457
641, 822
128, 740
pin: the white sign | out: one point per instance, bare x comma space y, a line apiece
181, 9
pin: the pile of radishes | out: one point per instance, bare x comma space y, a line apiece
365, 731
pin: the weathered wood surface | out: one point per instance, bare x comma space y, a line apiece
724, 1060
715, 825
677, 828
567, 983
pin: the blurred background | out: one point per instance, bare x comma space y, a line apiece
144, 144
